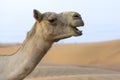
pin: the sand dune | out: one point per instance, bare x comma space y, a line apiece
103, 54
84, 61
9, 48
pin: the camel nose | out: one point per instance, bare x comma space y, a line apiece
82, 23
76, 16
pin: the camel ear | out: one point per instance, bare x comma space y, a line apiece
37, 15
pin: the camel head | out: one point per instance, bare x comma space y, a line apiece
53, 26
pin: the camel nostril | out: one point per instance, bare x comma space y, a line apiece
76, 15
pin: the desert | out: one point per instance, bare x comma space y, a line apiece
76, 61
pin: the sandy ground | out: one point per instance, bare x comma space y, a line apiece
65, 72
84, 61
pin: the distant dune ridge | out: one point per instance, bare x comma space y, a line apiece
80, 60
102, 54
8, 48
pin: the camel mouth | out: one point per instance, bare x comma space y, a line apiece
77, 23
77, 31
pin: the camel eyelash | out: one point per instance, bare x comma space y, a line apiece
52, 20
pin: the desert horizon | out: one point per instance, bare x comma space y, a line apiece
76, 61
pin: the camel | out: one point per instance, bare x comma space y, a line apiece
49, 27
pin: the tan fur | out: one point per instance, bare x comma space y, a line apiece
48, 28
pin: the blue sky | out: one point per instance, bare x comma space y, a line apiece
101, 17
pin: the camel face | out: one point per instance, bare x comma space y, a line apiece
74, 20
53, 26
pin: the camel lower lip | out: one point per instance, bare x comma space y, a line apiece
78, 33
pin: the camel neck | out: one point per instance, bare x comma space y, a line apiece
35, 47
28, 56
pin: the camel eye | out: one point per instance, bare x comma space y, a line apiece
52, 20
